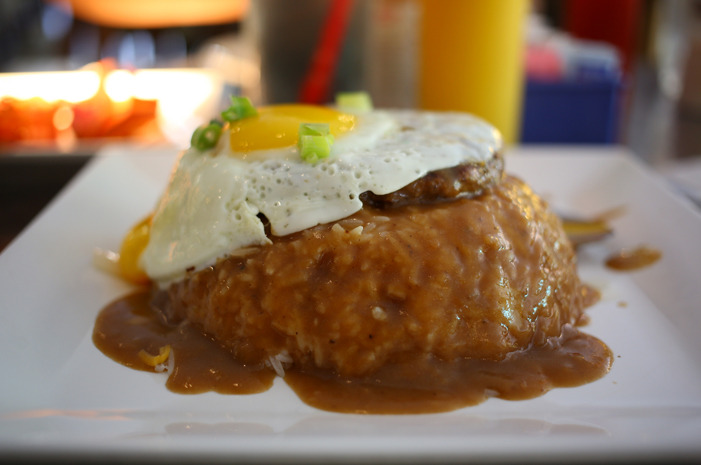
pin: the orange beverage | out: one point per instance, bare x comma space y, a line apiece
471, 59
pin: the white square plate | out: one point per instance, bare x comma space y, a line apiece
60, 397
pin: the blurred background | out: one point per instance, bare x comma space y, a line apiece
78, 75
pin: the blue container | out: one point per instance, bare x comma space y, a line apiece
571, 111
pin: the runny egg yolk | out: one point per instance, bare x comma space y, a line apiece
277, 126
133, 246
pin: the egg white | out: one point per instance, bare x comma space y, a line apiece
210, 207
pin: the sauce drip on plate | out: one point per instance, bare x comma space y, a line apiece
131, 324
633, 259
412, 384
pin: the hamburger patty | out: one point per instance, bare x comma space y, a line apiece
465, 180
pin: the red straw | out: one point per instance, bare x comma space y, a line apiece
317, 82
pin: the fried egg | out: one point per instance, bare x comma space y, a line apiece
214, 201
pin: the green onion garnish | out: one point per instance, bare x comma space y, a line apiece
354, 101
315, 148
240, 108
206, 137
315, 140
314, 129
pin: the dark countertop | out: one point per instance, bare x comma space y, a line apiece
28, 184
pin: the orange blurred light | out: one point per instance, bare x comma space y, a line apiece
63, 118
68, 86
147, 14
99, 101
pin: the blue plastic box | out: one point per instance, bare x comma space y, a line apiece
571, 112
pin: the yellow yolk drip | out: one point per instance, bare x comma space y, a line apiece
153, 360
133, 246
277, 126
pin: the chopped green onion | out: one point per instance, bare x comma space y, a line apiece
206, 137
240, 108
315, 140
315, 148
314, 129
354, 101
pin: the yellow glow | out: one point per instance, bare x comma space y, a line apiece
186, 98
119, 85
188, 87
68, 86
278, 126
179, 91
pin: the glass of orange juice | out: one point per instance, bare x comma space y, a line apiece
471, 59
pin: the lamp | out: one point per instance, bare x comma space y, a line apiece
150, 14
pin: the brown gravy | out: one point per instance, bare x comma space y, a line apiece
411, 385
633, 259
129, 325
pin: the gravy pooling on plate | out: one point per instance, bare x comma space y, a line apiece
633, 259
424, 291
201, 365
